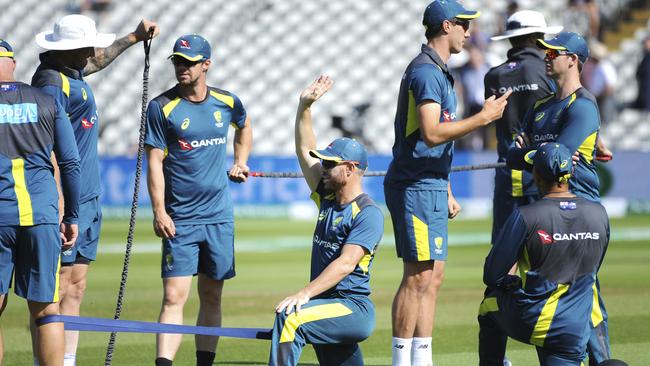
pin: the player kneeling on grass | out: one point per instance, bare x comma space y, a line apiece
559, 243
333, 312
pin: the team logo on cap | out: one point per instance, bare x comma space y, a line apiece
185, 124
184, 44
545, 237
184, 145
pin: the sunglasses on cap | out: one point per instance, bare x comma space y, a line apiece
462, 22
552, 54
329, 164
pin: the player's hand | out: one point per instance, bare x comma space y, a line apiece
316, 90
144, 29
453, 206
163, 225
522, 141
294, 301
69, 233
239, 173
603, 154
493, 107
576, 157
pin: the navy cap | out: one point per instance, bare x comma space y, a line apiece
343, 149
440, 10
9, 51
192, 47
567, 41
552, 161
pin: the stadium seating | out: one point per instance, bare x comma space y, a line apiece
266, 51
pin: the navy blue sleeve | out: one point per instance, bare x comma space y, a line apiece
582, 120
156, 133
426, 84
506, 250
58, 95
238, 113
67, 156
367, 228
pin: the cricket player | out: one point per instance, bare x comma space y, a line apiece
569, 117
32, 126
333, 311
524, 72
558, 243
187, 129
416, 187
74, 50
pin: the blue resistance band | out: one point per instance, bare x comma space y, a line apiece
130, 326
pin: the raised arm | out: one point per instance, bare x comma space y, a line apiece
104, 56
304, 131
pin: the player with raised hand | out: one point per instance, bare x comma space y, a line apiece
333, 312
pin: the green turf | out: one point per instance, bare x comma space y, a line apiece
265, 278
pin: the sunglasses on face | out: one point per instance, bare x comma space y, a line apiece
553, 54
462, 22
329, 164
180, 61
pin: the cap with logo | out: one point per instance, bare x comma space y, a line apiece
526, 22
72, 32
567, 41
440, 10
192, 47
552, 161
8, 52
343, 149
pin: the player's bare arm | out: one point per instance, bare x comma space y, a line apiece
304, 132
104, 56
435, 133
163, 225
351, 255
242, 144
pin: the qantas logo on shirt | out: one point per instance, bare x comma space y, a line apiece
201, 143
184, 145
325, 243
545, 137
546, 238
549, 239
448, 117
86, 124
518, 88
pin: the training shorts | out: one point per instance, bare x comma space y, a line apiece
31, 254
205, 248
85, 249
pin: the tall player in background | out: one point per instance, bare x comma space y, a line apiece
417, 189
187, 128
524, 72
75, 50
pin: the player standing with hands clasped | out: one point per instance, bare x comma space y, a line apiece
417, 189
187, 128
333, 312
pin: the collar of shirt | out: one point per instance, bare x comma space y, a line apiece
434, 56
48, 63
518, 53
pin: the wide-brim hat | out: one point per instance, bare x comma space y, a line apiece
526, 22
73, 32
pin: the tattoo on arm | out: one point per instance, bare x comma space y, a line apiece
104, 56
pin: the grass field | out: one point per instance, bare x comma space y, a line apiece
267, 271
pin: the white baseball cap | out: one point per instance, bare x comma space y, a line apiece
73, 32
526, 22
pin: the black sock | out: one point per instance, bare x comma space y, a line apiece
161, 361
204, 358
